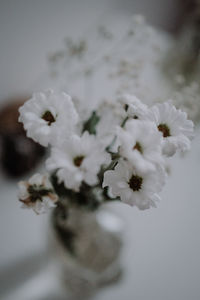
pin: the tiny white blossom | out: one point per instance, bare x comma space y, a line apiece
78, 159
140, 144
37, 193
176, 129
133, 186
47, 115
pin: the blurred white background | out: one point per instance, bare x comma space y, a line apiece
161, 256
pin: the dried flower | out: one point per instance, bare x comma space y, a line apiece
37, 193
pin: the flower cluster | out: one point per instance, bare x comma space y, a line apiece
147, 136
121, 149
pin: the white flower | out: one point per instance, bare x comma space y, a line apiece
47, 115
176, 129
113, 114
140, 144
78, 159
37, 193
134, 107
133, 186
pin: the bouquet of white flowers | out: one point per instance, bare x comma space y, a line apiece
118, 153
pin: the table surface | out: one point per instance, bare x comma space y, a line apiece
162, 245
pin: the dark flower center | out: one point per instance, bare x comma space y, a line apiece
135, 117
48, 117
135, 182
138, 147
78, 160
37, 193
164, 129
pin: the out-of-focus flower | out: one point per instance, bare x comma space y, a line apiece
47, 115
133, 106
133, 186
37, 193
78, 159
176, 129
140, 144
187, 98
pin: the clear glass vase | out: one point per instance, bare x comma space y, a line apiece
86, 248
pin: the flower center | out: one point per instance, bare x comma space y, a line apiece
135, 183
138, 147
78, 160
164, 129
48, 117
37, 193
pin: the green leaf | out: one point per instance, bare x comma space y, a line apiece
90, 124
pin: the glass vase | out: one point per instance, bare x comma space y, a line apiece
86, 248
